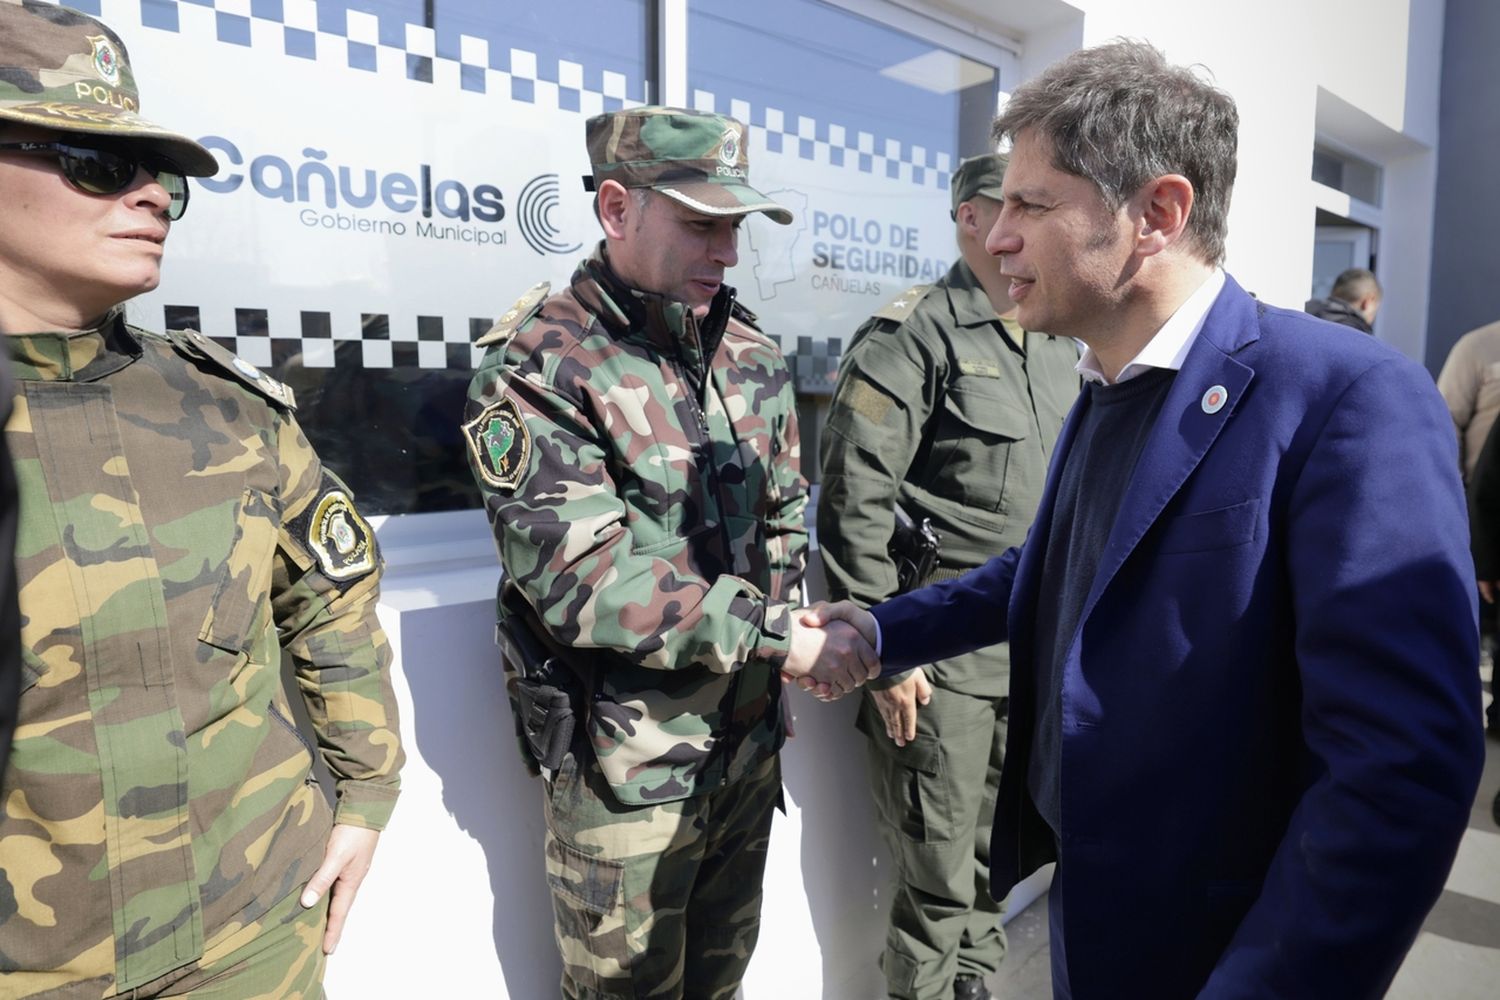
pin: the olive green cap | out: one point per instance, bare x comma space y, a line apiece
978, 175
693, 157
62, 69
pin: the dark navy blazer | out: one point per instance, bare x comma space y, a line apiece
1270, 709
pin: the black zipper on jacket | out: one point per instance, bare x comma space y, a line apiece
733, 737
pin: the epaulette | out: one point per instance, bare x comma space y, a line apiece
901, 308
195, 344
526, 307
745, 316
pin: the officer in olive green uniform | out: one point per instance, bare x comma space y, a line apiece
950, 410
635, 438
161, 831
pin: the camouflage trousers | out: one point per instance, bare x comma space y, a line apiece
278, 957
935, 799
659, 902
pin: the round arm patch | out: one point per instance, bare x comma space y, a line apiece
499, 444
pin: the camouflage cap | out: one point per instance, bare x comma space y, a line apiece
692, 157
978, 175
62, 69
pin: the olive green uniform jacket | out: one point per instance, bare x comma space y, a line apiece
177, 534
940, 409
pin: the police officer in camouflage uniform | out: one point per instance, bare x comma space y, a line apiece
635, 439
160, 830
947, 407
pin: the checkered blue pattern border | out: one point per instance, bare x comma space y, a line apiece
835, 145
361, 43
296, 28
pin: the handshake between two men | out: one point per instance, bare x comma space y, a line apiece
833, 652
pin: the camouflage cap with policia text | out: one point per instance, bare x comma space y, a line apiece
978, 175
695, 158
62, 69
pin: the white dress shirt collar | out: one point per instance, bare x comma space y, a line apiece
1170, 345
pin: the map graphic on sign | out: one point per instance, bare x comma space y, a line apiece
773, 244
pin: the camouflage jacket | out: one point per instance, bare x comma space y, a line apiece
178, 533
939, 408
640, 470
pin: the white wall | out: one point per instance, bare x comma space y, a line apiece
1381, 58
457, 888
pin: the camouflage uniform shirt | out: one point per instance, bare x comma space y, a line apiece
938, 409
177, 533
646, 497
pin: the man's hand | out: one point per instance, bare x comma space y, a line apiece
346, 862
822, 613
1487, 590
830, 661
898, 703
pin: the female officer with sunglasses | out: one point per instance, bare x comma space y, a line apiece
160, 829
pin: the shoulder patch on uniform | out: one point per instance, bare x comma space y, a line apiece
334, 532
901, 308
499, 444
526, 307
862, 396
195, 344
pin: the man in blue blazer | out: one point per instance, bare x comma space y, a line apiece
1244, 712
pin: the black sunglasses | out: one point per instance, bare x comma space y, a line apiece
108, 171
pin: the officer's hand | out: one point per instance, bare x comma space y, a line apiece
830, 661
822, 613
898, 706
1487, 590
346, 862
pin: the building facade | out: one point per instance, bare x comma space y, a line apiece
397, 172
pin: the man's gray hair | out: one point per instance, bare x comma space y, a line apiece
1119, 115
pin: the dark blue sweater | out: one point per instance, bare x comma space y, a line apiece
1112, 431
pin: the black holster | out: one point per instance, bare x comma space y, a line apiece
915, 549
547, 695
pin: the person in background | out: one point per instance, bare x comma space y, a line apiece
161, 831
1470, 385
1484, 529
947, 407
1353, 301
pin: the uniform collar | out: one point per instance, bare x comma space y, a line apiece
669, 326
74, 355
971, 306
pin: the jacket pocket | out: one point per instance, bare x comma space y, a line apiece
290, 727
974, 441
244, 586
1210, 530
